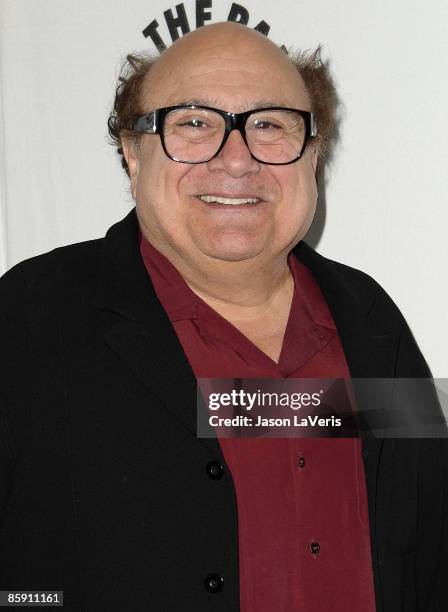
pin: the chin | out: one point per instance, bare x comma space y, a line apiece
232, 252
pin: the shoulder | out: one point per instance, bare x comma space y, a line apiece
50, 273
349, 288
66, 270
358, 301
342, 273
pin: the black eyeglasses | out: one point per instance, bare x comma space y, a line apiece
193, 134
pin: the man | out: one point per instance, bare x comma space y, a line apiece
107, 493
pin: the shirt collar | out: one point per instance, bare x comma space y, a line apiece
310, 325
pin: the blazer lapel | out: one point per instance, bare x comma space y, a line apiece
143, 336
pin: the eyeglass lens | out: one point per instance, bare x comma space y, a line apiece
195, 135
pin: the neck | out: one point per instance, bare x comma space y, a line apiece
241, 289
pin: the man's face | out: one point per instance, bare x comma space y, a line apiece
234, 69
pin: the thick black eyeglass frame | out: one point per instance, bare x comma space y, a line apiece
153, 122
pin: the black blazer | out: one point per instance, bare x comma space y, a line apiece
104, 488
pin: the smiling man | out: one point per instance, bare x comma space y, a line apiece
227, 224
106, 492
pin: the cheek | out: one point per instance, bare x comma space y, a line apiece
299, 188
299, 198
158, 182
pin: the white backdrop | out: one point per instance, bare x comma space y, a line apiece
384, 209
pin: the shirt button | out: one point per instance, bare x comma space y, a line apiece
301, 462
315, 547
215, 470
365, 453
213, 583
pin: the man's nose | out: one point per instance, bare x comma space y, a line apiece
234, 157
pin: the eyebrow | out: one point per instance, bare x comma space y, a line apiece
217, 103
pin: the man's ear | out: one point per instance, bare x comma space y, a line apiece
131, 157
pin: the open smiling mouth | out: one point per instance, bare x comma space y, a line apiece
221, 200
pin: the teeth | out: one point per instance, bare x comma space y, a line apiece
235, 201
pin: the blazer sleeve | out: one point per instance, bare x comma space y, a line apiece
14, 371
6, 456
5, 463
433, 476
439, 598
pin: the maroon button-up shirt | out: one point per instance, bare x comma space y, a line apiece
304, 541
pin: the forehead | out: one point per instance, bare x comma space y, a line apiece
235, 77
